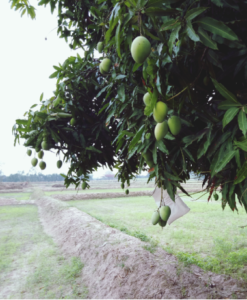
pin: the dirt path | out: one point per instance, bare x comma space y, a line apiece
117, 265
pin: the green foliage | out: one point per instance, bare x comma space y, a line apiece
190, 40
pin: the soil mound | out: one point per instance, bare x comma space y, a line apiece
16, 186
87, 196
58, 185
118, 267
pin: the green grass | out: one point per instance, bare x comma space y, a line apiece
10, 240
17, 196
39, 268
206, 236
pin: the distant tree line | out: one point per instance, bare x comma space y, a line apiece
30, 177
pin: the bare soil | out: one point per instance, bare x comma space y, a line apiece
118, 267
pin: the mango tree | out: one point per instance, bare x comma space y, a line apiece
167, 94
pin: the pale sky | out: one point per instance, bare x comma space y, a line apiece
27, 63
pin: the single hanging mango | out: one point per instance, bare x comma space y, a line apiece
160, 111
174, 124
140, 49
160, 130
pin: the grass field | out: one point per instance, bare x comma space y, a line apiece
206, 236
31, 265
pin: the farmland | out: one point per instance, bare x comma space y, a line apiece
206, 237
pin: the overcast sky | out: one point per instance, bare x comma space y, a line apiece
27, 61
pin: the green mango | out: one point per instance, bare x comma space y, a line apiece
174, 124
100, 47
127, 192
162, 223
165, 213
59, 164
160, 130
29, 152
147, 136
147, 99
34, 162
155, 218
72, 122
216, 197
42, 165
160, 111
140, 49
41, 154
45, 145
106, 65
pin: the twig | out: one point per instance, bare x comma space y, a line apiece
177, 94
192, 84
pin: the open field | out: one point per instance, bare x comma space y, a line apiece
96, 186
32, 264
29, 259
206, 236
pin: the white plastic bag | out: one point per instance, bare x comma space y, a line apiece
178, 208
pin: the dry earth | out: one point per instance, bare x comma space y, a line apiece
117, 265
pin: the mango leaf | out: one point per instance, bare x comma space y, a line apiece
191, 32
217, 27
206, 40
224, 105
173, 37
113, 22
162, 147
170, 190
156, 11
92, 148
237, 158
188, 154
191, 138
121, 92
118, 40
225, 160
137, 137
242, 144
239, 66
170, 24
242, 121
155, 3
213, 57
120, 76
170, 176
41, 115
194, 12
229, 115
242, 173
219, 3
223, 91
216, 159
135, 67
54, 75
154, 154
21, 122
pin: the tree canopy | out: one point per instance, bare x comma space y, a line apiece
197, 66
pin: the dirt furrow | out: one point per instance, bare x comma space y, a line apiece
117, 265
